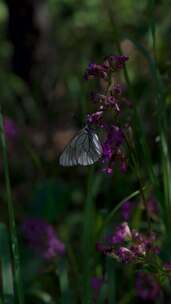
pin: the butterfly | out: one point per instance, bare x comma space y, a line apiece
84, 149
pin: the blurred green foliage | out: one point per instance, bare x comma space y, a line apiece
74, 34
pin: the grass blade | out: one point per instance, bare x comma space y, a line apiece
103, 294
6, 266
166, 172
111, 280
11, 215
111, 215
66, 296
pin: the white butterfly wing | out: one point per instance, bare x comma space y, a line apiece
91, 149
84, 149
69, 157
97, 143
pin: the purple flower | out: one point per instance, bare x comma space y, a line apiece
42, 238
143, 245
146, 286
108, 170
118, 62
139, 249
111, 151
115, 136
112, 102
167, 267
107, 151
136, 236
125, 255
10, 128
121, 234
127, 245
96, 71
117, 89
95, 118
126, 210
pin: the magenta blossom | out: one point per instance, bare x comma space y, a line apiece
128, 245
125, 255
122, 233
95, 118
112, 148
42, 238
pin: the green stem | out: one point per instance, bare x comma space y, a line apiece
111, 215
76, 273
94, 183
153, 27
6, 266
12, 224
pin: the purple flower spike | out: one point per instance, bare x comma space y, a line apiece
42, 238
146, 286
110, 103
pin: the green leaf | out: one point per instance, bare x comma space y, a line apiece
66, 297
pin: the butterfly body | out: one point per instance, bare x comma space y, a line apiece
84, 149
